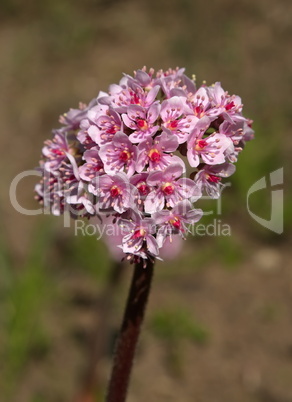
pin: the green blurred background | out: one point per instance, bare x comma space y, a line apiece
219, 325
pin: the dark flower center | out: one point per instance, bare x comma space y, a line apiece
173, 124
125, 156
115, 191
142, 124
58, 152
199, 110
213, 179
200, 144
154, 155
135, 100
229, 105
143, 188
168, 188
175, 222
111, 130
139, 233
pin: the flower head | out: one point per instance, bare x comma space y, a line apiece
125, 155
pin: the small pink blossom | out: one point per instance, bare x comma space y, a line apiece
57, 187
209, 178
175, 221
80, 197
174, 82
169, 189
140, 182
156, 154
55, 151
93, 166
229, 106
127, 94
178, 118
210, 149
115, 193
73, 117
141, 121
102, 124
140, 240
201, 105
144, 79
248, 132
119, 155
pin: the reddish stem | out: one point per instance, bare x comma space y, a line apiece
129, 333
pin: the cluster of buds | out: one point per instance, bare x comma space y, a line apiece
127, 154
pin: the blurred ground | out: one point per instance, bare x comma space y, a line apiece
218, 328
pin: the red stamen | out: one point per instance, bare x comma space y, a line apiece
173, 124
229, 105
135, 99
213, 179
154, 155
139, 233
125, 156
115, 191
57, 152
111, 130
200, 144
142, 124
143, 188
198, 110
168, 188
176, 223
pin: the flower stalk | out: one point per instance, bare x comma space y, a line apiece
129, 333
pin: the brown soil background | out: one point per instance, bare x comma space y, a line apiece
239, 290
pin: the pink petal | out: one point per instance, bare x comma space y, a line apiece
152, 94
152, 245
174, 171
154, 202
153, 112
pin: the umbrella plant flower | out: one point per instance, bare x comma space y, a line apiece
153, 143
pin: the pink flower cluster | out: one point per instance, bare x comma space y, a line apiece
127, 153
